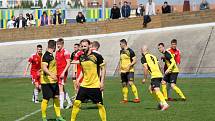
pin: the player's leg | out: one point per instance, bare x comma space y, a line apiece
69, 103
56, 101
164, 86
133, 87
47, 94
155, 85
77, 103
124, 88
36, 92
169, 92
61, 92
173, 79
96, 96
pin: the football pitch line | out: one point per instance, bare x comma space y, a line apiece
31, 114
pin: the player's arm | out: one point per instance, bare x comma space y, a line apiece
102, 76
26, 69
172, 60
75, 62
145, 72
133, 58
46, 70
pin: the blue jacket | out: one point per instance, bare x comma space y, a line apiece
126, 10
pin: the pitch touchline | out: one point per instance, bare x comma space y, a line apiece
30, 114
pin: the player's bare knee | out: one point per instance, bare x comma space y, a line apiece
163, 82
172, 85
124, 84
130, 83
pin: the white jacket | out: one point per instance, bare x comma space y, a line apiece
152, 7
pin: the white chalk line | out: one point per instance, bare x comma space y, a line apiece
31, 114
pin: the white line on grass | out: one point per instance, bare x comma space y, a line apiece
30, 114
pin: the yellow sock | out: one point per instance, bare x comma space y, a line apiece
75, 109
164, 90
179, 92
160, 97
44, 105
155, 96
57, 107
125, 93
102, 112
134, 90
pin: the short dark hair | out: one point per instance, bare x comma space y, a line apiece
165, 2
51, 44
85, 40
39, 46
123, 41
174, 41
96, 44
61, 40
76, 44
161, 44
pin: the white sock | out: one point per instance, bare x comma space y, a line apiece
67, 98
61, 99
35, 94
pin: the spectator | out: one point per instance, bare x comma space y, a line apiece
126, 10
140, 10
11, 23
31, 21
166, 8
150, 8
20, 21
80, 18
115, 12
44, 19
186, 6
57, 19
204, 5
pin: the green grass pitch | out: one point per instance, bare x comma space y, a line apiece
15, 102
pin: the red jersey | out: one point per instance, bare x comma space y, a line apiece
79, 68
61, 57
177, 54
35, 61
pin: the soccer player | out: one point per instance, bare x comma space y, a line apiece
95, 47
75, 67
91, 85
171, 73
63, 64
127, 62
35, 63
151, 65
49, 83
177, 56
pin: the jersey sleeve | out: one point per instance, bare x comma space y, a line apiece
72, 56
46, 59
168, 56
67, 55
100, 60
143, 60
132, 54
30, 59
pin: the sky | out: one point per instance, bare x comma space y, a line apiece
175, 1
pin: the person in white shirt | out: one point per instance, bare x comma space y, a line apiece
31, 21
150, 8
11, 23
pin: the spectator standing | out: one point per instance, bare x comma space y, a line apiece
115, 12
140, 10
150, 8
126, 10
204, 5
57, 19
31, 21
20, 21
80, 18
44, 19
11, 23
166, 8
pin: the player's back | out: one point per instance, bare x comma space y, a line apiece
153, 65
61, 57
169, 60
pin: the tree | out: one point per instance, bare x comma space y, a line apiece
40, 3
48, 4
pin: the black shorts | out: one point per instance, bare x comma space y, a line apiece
171, 78
128, 76
93, 94
155, 82
50, 90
